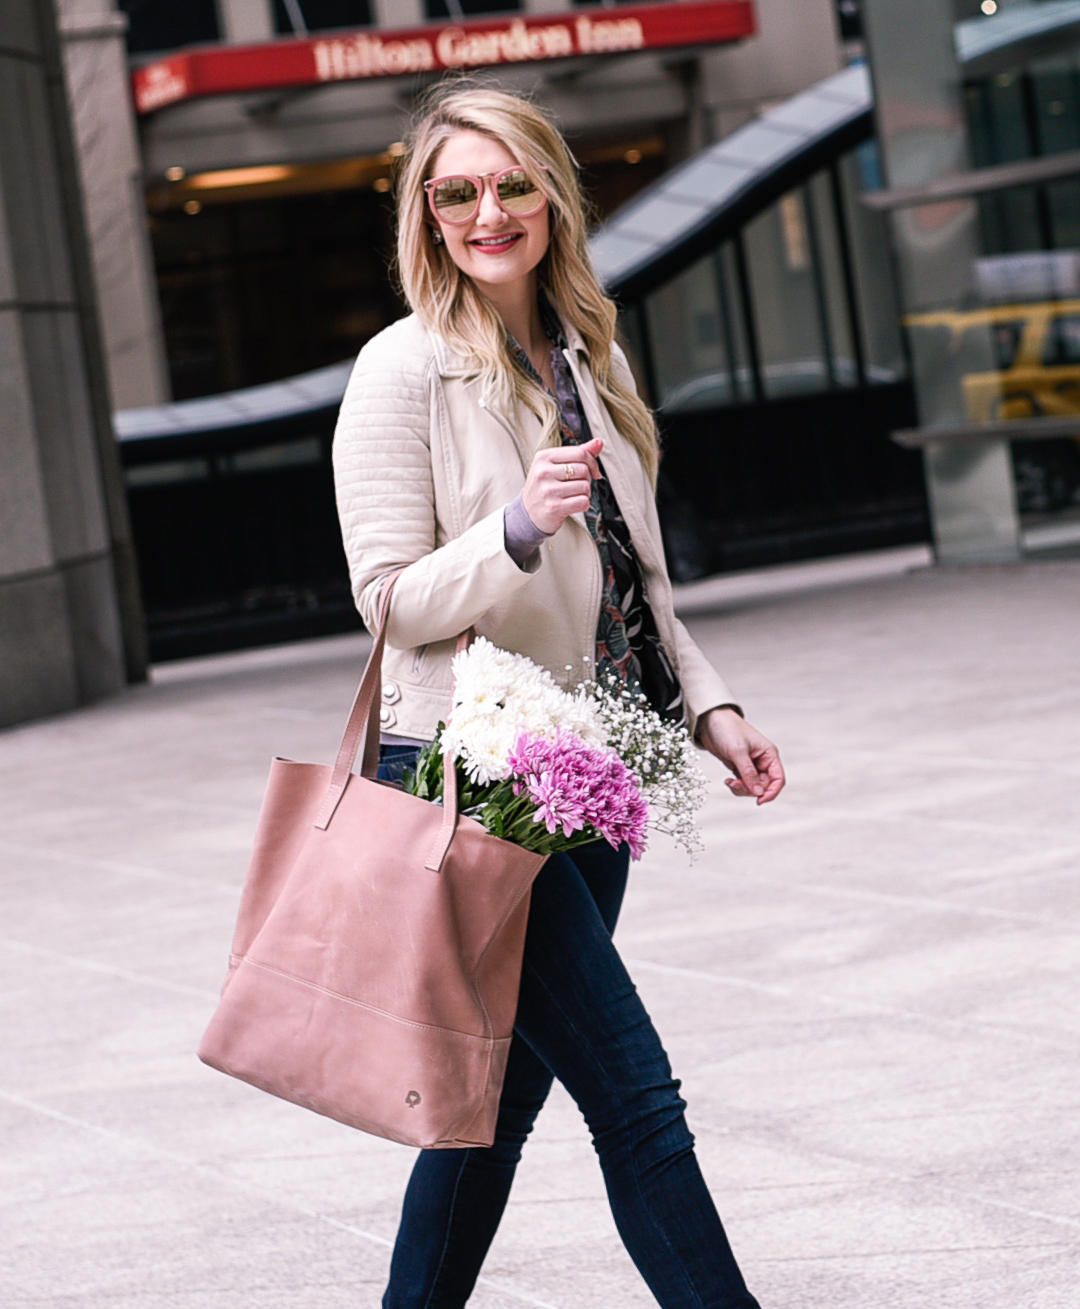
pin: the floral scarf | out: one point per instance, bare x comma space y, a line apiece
628, 645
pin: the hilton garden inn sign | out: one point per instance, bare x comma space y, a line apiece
477, 43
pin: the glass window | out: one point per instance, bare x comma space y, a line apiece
733, 323
157, 25
319, 15
829, 271
1005, 342
1063, 203
787, 303
1063, 341
258, 290
687, 337
875, 288
1055, 105
463, 8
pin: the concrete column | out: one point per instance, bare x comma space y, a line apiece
398, 13
110, 169
923, 136
68, 597
246, 22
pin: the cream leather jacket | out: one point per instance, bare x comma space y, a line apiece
423, 473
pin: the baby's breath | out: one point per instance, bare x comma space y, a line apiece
659, 754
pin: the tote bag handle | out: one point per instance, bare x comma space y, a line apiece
363, 727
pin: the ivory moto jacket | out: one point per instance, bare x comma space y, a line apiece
423, 473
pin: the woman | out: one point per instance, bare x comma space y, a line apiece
492, 445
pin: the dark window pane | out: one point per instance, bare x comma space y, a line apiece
1063, 341
440, 8
318, 15
1063, 199
787, 307
168, 24
263, 289
849, 20
1005, 341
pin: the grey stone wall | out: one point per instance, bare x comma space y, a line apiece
70, 630
110, 173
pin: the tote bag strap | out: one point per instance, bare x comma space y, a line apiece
363, 726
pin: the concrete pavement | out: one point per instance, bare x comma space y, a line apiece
869, 988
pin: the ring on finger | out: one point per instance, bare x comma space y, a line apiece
568, 473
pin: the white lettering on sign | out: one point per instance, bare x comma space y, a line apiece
597, 36
368, 56
161, 84
457, 47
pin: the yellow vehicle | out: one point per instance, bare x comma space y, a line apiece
1021, 361
1034, 350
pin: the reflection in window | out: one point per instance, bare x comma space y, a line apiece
1005, 342
1063, 341
691, 365
800, 300
878, 312
788, 307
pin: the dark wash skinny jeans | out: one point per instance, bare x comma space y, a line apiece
579, 1019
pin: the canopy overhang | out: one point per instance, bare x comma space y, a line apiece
330, 57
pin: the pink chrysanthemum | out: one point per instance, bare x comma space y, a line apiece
574, 785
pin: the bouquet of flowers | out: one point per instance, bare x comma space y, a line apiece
552, 769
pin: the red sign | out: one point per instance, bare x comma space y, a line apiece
476, 43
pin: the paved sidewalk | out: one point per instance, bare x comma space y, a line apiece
870, 988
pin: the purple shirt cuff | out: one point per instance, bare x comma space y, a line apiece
523, 537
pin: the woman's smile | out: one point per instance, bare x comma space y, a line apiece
496, 244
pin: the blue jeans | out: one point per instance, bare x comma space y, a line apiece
581, 1020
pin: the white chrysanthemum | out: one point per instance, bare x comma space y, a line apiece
498, 694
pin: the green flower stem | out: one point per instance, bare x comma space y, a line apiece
506, 815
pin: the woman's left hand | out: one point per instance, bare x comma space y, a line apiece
753, 758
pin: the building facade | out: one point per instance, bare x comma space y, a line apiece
270, 221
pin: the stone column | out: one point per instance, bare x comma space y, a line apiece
110, 169
922, 135
245, 22
70, 626
398, 13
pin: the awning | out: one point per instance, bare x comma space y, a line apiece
434, 47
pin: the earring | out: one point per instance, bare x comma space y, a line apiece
436, 236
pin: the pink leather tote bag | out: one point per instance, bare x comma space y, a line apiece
377, 954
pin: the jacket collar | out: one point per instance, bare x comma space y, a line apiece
574, 340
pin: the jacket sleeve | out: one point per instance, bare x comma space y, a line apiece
386, 503
702, 685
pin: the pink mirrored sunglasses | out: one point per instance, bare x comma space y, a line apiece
456, 199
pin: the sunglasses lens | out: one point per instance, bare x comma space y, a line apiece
455, 197
519, 193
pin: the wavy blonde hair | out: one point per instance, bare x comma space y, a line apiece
448, 302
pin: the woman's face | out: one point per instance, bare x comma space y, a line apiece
494, 248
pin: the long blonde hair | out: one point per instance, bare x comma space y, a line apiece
448, 302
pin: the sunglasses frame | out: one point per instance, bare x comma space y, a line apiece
478, 181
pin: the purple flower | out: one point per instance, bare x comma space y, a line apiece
574, 785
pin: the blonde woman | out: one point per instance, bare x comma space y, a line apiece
493, 446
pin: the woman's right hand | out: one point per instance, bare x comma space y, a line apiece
560, 483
